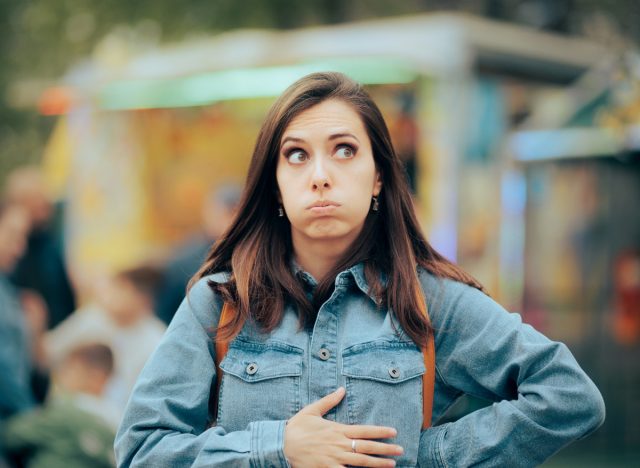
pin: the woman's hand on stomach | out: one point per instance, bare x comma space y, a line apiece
312, 441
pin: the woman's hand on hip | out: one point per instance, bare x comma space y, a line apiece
312, 441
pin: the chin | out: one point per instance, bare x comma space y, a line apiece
333, 233
326, 236
327, 229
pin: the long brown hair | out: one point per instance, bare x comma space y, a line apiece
257, 247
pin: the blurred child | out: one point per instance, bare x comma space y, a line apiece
76, 427
123, 317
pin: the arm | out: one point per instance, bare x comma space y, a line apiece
165, 423
543, 399
15, 393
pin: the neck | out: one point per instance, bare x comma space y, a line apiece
318, 257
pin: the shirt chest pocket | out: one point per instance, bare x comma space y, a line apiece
260, 382
384, 388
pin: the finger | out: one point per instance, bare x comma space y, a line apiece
359, 459
323, 405
376, 448
369, 432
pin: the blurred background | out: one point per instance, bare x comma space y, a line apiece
126, 129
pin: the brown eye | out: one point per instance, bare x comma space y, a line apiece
297, 157
345, 152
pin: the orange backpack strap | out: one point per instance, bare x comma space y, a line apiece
428, 378
221, 351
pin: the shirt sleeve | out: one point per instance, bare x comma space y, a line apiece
166, 419
542, 399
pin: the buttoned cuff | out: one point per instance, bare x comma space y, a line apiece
432, 447
267, 444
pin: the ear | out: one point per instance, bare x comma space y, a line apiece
377, 186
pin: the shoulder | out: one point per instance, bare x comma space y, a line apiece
202, 303
449, 301
442, 291
202, 290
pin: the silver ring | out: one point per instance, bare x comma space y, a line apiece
353, 445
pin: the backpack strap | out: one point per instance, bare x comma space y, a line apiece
221, 351
428, 378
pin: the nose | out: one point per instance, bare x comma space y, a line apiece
320, 178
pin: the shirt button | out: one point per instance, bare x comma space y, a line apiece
252, 368
324, 354
394, 372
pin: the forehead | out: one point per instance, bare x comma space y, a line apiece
327, 116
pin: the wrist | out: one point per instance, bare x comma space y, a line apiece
267, 443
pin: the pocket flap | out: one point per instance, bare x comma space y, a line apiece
254, 361
384, 361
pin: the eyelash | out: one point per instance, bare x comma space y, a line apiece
352, 148
290, 152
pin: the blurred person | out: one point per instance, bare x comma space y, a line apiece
305, 339
217, 213
15, 341
76, 427
123, 317
42, 268
35, 315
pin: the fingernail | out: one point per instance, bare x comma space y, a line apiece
400, 449
340, 389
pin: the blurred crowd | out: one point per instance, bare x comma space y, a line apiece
67, 367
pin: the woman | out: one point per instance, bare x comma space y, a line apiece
325, 267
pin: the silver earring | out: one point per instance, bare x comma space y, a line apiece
280, 212
375, 204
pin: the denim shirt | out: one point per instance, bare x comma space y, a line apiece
542, 399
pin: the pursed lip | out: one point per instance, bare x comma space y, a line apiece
322, 204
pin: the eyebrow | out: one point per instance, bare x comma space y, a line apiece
334, 136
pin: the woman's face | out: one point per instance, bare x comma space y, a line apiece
326, 173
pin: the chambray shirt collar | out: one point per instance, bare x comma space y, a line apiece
307, 278
355, 274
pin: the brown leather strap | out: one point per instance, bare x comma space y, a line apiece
428, 378
221, 351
